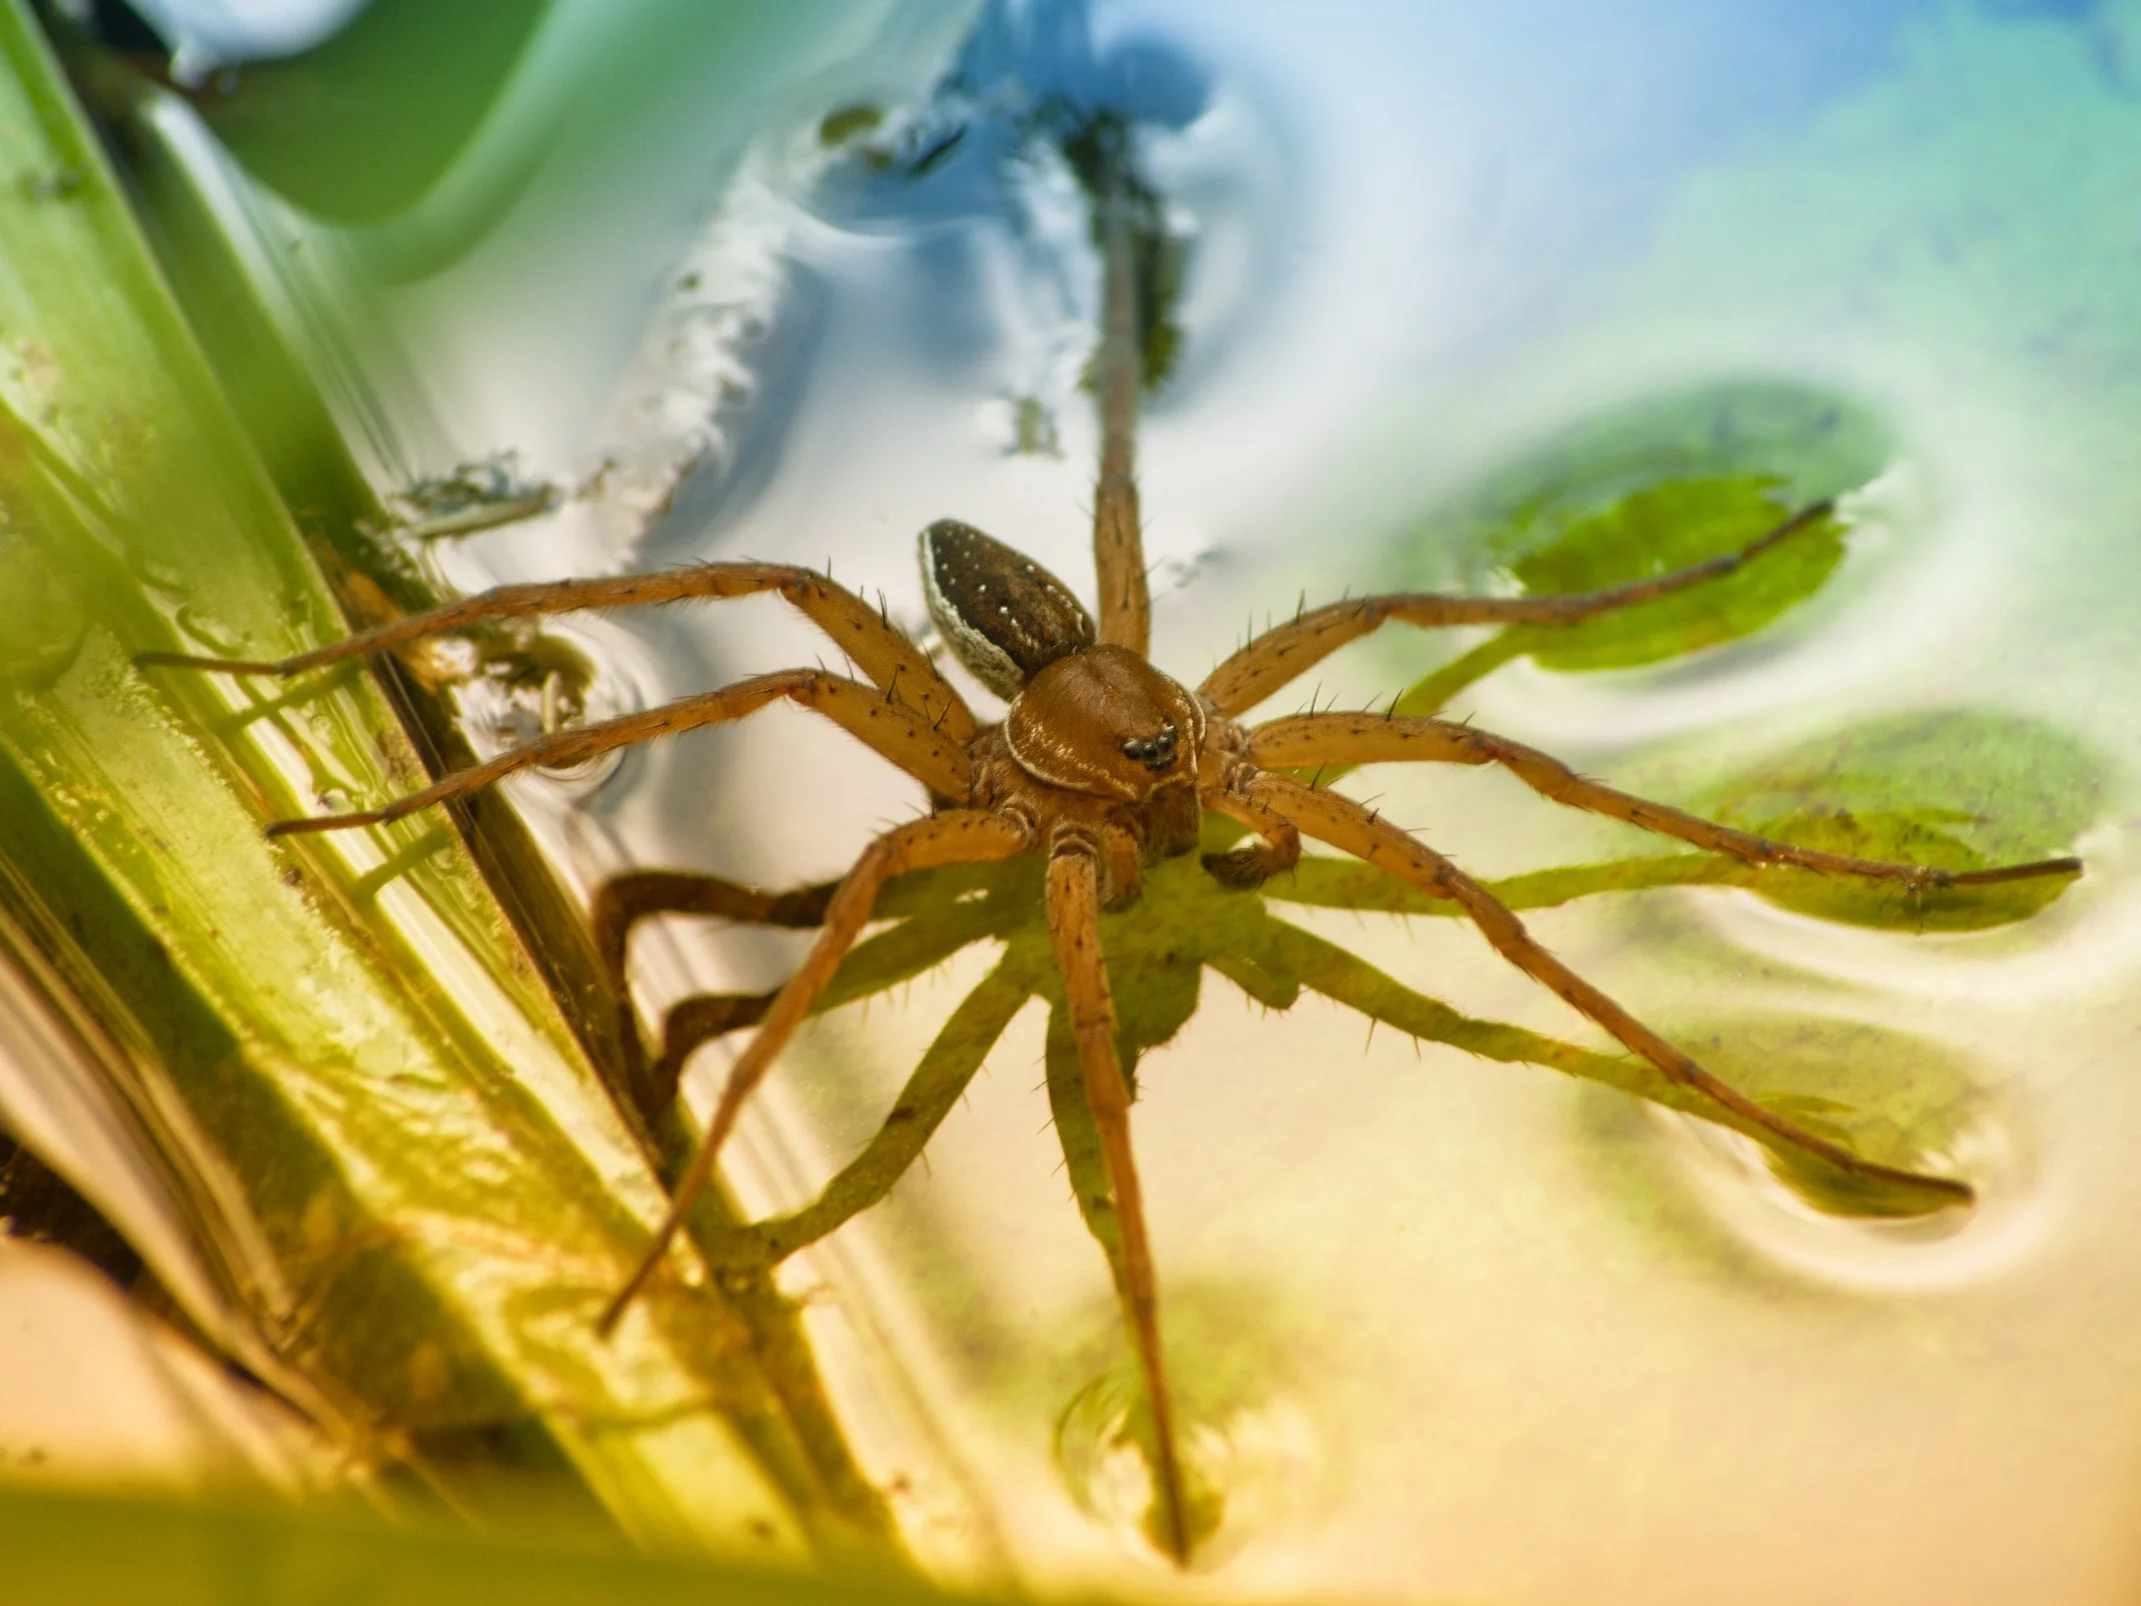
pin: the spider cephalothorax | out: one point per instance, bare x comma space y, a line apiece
1098, 747
1103, 765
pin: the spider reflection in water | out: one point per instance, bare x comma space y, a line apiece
1102, 767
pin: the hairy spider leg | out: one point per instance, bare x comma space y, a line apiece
623, 901
1267, 663
1348, 826
1074, 930
910, 946
1307, 740
686, 1025
1118, 531
885, 656
1272, 848
957, 836
896, 730
947, 1067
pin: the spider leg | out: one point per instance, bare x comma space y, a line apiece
1274, 849
916, 943
1278, 655
1074, 929
885, 656
1122, 867
957, 836
695, 1020
1324, 739
621, 902
946, 1068
1118, 530
1348, 826
897, 730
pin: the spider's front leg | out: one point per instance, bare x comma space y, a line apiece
896, 729
1348, 826
1118, 526
1279, 655
890, 661
1074, 929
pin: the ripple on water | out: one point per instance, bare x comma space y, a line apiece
1251, 1465
1896, 1098
513, 687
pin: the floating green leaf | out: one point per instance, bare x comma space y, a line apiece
1958, 789
1655, 531
1654, 488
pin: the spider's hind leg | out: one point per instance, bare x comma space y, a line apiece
1348, 826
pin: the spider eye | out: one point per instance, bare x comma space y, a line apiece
1154, 752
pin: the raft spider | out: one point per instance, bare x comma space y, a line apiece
1104, 765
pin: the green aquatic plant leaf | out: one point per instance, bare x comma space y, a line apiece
1648, 532
105, 1549
399, 1181
1651, 487
1958, 789
1655, 531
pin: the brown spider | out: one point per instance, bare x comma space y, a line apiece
1105, 765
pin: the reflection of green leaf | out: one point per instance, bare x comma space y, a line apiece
1955, 789
1654, 531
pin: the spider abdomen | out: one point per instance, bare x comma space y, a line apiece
1005, 616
